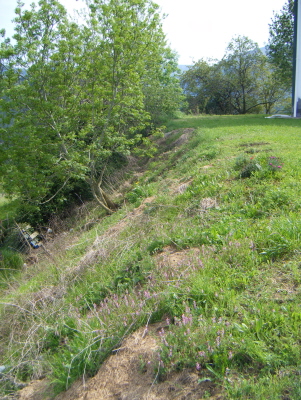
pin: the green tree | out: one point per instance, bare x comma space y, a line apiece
206, 88
77, 99
162, 92
242, 65
280, 45
243, 81
194, 82
271, 90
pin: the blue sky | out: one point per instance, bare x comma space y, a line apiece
194, 28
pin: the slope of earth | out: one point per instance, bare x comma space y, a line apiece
190, 290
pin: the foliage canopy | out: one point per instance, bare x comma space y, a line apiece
280, 47
242, 82
74, 97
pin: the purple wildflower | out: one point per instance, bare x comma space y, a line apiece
161, 332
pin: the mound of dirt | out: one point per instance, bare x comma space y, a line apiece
169, 144
129, 374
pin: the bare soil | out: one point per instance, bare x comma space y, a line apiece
129, 374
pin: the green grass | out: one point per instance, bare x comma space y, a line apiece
233, 311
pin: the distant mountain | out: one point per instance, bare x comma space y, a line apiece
264, 50
184, 68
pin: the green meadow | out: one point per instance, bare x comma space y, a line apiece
225, 196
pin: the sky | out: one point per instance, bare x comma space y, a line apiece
195, 29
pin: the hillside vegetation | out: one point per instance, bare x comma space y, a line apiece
206, 242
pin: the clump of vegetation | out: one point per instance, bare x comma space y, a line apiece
246, 166
274, 163
260, 164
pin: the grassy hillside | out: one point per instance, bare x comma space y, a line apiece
208, 240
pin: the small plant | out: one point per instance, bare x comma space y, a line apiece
274, 164
156, 246
137, 193
247, 166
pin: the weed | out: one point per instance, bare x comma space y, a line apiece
156, 246
137, 193
274, 163
246, 166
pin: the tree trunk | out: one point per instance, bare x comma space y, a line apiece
103, 198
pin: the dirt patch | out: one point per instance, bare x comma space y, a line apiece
179, 262
36, 390
181, 140
182, 188
284, 289
167, 143
130, 374
208, 203
254, 144
175, 256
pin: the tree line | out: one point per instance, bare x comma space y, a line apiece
247, 79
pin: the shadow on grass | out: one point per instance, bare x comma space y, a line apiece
215, 121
